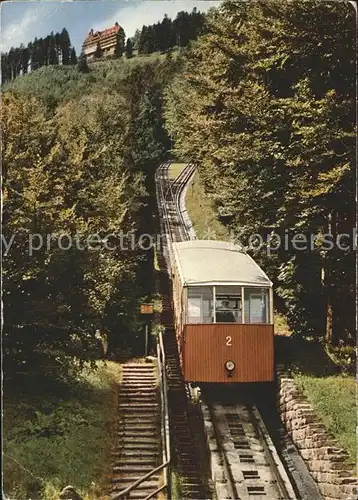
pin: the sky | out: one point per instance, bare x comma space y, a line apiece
22, 21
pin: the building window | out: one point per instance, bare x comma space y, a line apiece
200, 305
228, 306
256, 305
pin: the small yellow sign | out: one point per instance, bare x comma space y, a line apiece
146, 309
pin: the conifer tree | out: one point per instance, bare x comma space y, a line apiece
82, 64
73, 56
65, 45
52, 54
129, 48
120, 42
99, 52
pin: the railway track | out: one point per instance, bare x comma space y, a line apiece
186, 457
244, 461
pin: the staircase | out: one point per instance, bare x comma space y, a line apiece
138, 436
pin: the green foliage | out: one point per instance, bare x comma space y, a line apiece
78, 164
63, 438
99, 52
263, 108
82, 65
59, 182
51, 50
333, 399
129, 48
167, 34
121, 36
344, 356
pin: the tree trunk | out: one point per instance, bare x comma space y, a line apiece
328, 282
329, 320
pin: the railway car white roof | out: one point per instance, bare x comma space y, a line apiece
205, 262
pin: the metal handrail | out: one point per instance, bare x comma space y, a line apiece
125, 493
165, 408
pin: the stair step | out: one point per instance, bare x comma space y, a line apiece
144, 373
129, 477
138, 380
138, 397
137, 439
145, 381
126, 481
133, 370
137, 426
136, 462
139, 407
135, 365
145, 420
145, 454
135, 433
138, 401
142, 404
140, 390
141, 418
137, 386
140, 470
141, 446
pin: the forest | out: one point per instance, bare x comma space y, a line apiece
53, 49
76, 166
167, 34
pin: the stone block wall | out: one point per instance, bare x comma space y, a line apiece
324, 459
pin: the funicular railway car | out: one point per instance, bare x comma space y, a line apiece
223, 305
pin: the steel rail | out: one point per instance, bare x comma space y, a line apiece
226, 464
283, 489
182, 181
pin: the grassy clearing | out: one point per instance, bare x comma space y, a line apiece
175, 169
333, 399
57, 84
53, 440
202, 213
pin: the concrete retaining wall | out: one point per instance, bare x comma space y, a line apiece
325, 460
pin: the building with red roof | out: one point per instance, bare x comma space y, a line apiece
107, 40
